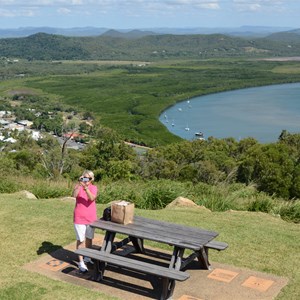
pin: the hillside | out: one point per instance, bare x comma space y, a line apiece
43, 46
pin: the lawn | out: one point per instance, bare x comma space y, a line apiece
256, 241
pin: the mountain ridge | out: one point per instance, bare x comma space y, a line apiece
259, 31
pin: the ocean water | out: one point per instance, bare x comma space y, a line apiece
261, 113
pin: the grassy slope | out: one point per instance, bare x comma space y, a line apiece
257, 241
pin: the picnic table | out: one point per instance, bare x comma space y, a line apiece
179, 237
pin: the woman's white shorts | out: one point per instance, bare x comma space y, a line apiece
83, 231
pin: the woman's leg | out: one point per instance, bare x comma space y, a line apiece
78, 246
80, 238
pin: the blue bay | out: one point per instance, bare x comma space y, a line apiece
261, 112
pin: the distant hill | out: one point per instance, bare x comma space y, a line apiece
43, 46
253, 31
291, 36
27, 31
133, 34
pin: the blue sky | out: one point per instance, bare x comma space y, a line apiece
126, 14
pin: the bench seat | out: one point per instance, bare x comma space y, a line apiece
167, 275
216, 245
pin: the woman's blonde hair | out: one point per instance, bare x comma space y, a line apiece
90, 173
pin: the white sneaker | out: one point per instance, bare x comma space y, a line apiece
88, 260
82, 267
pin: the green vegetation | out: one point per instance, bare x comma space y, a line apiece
43, 46
129, 98
157, 194
251, 235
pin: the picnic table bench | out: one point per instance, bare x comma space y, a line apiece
167, 275
180, 237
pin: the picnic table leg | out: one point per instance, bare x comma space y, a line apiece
138, 244
99, 268
108, 241
176, 259
107, 246
203, 258
168, 287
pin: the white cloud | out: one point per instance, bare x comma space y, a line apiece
11, 13
43, 2
63, 11
6, 13
259, 5
137, 4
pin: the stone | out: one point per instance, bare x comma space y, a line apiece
182, 202
26, 194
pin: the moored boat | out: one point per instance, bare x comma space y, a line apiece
200, 135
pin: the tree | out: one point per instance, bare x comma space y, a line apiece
105, 151
270, 166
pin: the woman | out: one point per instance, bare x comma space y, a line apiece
85, 213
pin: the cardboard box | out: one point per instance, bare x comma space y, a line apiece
122, 212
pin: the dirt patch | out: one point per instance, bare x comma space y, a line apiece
222, 282
22, 91
292, 58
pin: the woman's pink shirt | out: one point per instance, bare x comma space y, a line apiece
85, 210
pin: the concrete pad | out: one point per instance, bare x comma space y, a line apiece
223, 282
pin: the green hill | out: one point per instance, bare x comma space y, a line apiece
43, 46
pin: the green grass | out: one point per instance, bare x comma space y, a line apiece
256, 241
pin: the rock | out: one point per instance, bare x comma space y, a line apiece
25, 194
182, 202
68, 199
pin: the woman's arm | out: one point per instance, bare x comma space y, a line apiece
76, 190
90, 195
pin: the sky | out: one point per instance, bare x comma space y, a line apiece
131, 14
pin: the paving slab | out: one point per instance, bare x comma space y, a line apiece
223, 282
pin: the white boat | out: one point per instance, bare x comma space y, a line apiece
187, 128
200, 135
180, 109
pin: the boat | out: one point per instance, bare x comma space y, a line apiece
173, 124
187, 128
200, 135
180, 109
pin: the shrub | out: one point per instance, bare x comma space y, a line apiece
290, 211
8, 185
264, 205
153, 194
158, 197
47, 191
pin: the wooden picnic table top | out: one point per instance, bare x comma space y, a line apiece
165, 232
